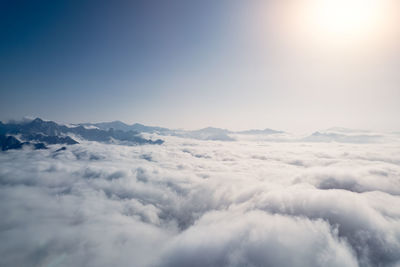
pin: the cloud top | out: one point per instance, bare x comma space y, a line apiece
201, 203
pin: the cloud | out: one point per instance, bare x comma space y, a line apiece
201, 203
255, 238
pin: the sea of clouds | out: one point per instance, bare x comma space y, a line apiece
201, 203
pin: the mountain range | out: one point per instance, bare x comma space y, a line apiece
40, 133
354, 137
208, 133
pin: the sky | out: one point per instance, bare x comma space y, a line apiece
293, 65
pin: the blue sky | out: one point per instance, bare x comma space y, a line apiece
191, 64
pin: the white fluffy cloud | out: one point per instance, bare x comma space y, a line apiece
202, 203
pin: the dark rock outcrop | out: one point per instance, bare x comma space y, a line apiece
9, 142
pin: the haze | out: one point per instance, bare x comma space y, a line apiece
289, 65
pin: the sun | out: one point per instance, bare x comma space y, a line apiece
344, 19
346, 16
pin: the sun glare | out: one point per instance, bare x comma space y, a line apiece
346, 18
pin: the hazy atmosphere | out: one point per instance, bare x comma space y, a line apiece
293, 65
182, 133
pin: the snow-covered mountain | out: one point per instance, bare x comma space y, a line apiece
208, 133
43, 132
347, 136
119, 125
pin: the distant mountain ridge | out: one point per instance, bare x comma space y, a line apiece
343, 138
39, 133
48, 132
265, 131
208, 133
119, 125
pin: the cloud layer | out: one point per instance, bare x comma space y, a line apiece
202, 203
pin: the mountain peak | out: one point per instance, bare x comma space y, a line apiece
37, 120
